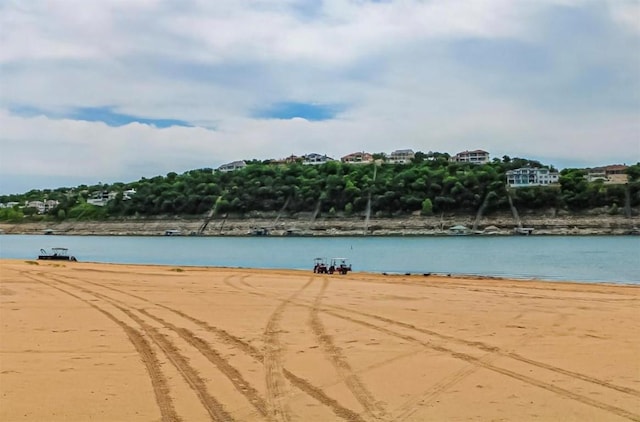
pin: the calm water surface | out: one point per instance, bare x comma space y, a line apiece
581, 258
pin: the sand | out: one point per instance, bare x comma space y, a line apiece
102, 342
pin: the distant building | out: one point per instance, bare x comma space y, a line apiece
100, 199
43, 206
9, 204
474, 157
357, 158
531, 176
401, 156
287, 160
126, 195
315, 159
236, 165
614, 174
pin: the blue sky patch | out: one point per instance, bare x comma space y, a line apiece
111, 118
96, 114
291, 110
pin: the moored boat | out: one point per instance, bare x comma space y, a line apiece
56, 254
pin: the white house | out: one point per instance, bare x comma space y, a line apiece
236, 165
43, 206
401, 156
315, 159
531, 176
477, 156
101, 198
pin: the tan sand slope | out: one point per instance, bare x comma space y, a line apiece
82, 341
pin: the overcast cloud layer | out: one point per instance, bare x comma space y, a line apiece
114, 90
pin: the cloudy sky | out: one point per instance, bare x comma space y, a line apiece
114, 90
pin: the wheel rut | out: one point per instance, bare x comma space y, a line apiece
225, 337
144, 350
190, 375
331, 310
339, 361
276, 385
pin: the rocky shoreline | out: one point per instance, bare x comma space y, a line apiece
589, 224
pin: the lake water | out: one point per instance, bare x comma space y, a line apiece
613, 259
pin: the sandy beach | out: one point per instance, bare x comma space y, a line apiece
101, 342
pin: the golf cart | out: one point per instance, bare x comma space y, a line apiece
320, 266
339, 265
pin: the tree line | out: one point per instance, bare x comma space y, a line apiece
431, 184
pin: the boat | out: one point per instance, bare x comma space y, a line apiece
523, 231
459, 230
172, 232
262, 231
56, 254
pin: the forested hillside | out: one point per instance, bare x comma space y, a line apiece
431, 184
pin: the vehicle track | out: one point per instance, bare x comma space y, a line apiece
474, 360
148, 357
484, 347
477, 361
190, 375
227, 338
238, 381
511, 374
339, 361
276, 385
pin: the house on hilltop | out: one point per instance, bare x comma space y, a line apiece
401, 156
315, 159
477, 156
357, 158
613, 174
236, 165
531, 176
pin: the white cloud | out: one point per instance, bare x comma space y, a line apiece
511, 77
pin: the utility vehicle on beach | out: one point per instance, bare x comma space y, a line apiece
320, 266
337, 266
56, 254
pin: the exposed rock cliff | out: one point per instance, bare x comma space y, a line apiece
542, 224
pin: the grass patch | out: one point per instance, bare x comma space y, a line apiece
32, 262
178, 270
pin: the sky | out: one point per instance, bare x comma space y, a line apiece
115, 90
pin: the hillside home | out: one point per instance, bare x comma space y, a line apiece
315, 159
531, 176
43, 206
287, 160
477, 156
357, 158
614, 174
401, 156
236, 165
9, 204
101, 198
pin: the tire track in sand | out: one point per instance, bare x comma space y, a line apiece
189, 374
148, 357
238, 381
276, 386
509, 373
339, 361
479, 361
231, 340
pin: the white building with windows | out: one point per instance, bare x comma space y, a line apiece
531, 176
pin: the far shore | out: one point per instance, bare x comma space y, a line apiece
90, 341
500, 225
